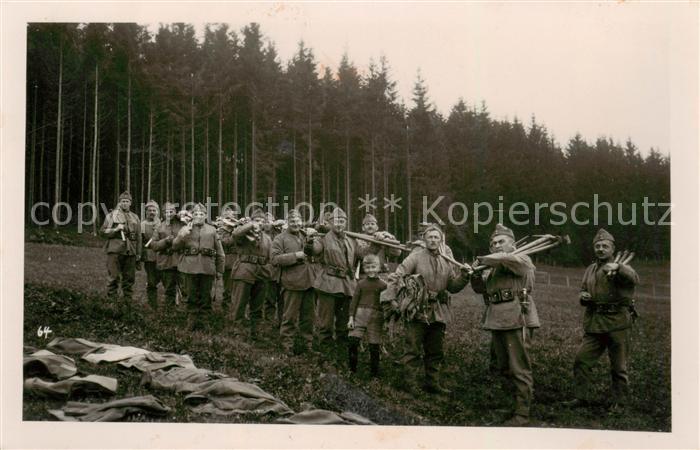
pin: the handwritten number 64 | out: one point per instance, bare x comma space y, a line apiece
44, 331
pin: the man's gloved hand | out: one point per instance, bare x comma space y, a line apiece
351, 323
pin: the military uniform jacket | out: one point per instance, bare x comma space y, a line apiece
336, 274
510, 273
439, 276
367, 248
252, 259
131, 245
229, 244
201, 250
296, 274
148, 229
166, 256
617, 290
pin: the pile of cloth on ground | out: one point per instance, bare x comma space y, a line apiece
205, 392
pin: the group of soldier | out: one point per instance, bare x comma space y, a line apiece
328, 291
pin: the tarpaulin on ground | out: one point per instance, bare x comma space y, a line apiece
324, 417
91, 384
47, 364
230, 396
179, 379
95, 352
110, 411
156, 361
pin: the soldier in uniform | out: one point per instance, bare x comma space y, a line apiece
607, 293
273, 299
296, 278
167, 258
229, 245
202, 260
250, 271
511, 315
370, 227
425, 334
122, 229
335, 281
148, 229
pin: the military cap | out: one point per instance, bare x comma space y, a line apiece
293, 213
125, 195
258, 213
603, 235
152, 203
338, 213
502, 231
369, 218
433, 227
169, 205
199, 208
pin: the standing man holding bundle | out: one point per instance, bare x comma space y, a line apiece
202, 260
168, 258
122, 229
148, 230
511, 315
297, 274
425, 332
607, 292
229, 244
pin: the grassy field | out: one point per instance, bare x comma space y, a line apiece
65, 288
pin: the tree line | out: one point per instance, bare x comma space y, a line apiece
165, 115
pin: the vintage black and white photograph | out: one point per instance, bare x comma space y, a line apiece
394, 214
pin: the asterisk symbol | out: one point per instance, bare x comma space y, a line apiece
392, 203
367, 202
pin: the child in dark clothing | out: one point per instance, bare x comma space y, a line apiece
366, 317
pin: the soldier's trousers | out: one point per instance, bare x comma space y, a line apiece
425, 342
152, 280
247, 294
228, 281
274, 303
199, 294
121, 269
332, 310
513, 360
592, 348
298, 311
170, 279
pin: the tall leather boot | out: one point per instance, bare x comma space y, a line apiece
374, 359
353, 350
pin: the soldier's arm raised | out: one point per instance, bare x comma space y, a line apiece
108, 230
518, 264
626, 275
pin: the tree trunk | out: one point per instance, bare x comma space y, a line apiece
82, 159
205, 194
183, 163
150, 151
220, 186
348, 197
294, 167
311, 168
324, 194
386, 190
245, 168
117, 184
127, 180
409, 208
169, 168
32, 157
70, 160
192, 175
372, 168
253, 164
143, 165
94, 151
59, 126
235, 158
41, 158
